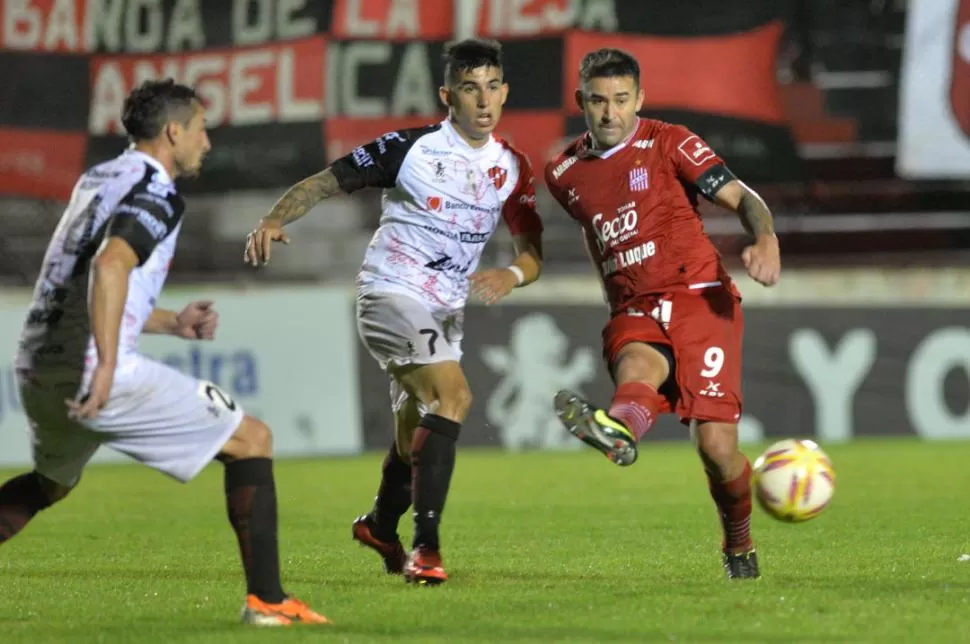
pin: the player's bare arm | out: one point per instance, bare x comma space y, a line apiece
493, 284
763, 258
296, 202
197, 321
109, 291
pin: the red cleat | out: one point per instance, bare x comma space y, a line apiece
424, 568
392, 552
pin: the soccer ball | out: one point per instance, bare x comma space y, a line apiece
793, 480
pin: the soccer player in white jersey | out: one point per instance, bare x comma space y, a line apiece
446, 186
82, 382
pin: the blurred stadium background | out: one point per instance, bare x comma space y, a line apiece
851, 118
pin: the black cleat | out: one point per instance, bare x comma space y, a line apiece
741, 565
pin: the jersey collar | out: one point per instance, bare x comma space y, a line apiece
150, 160
605, 154
455, 139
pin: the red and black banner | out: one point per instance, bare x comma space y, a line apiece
290, 85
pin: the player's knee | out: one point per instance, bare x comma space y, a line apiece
717, 444
252, 439
454, 401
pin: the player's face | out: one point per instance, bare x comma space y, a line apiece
191, 144
476, 101
610, 104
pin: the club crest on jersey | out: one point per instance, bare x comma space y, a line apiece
638, 180
498, 176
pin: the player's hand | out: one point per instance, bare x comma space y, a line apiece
493, 284
260, 241
197, 321
97, 396
763, 261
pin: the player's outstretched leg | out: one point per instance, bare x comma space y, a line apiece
442, 387
251, 503
378, 528
22, 497
729, 479
616, 431
595, 427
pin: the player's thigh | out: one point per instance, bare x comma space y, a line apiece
167, 420
637, 349
400, 331
61, 447
706, 330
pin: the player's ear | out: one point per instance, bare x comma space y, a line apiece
444, 94
172, 131
505, 92
579, 98
639, 99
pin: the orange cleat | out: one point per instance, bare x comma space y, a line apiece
392, 552
424, 568
290, 611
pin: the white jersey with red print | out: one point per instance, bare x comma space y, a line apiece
442, 201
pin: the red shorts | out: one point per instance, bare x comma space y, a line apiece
704, 330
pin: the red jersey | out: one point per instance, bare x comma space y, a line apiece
638, 201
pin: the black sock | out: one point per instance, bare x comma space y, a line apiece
393, 496
251, 503
432, 463
21, 498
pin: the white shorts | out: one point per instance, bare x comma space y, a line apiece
157, 415
399, 330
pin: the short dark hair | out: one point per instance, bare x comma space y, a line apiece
607, 63
471, 53
153, 104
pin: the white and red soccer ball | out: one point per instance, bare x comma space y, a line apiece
793, 480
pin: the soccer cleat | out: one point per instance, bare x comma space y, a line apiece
741, 565
596, 428
392, 552
290, 611
424, 568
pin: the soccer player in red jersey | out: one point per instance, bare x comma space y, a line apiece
673, 341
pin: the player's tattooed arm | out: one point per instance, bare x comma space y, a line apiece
302, 197
296, 202
752, 210
762, 259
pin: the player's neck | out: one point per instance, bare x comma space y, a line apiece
472, 142
158, 153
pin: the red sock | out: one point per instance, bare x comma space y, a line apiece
733, 499
635, 404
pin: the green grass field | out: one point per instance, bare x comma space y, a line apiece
541, 548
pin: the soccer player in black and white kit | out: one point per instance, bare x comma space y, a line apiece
445, 189
83, 383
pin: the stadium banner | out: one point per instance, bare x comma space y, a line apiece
290, 84
934, 105
291, 369
833, 374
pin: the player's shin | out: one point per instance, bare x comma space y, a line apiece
733, 500
251, 504
21, 498
433, 452
635, 404
393, 495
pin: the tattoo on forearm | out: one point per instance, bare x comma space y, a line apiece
755, 216
302, 197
